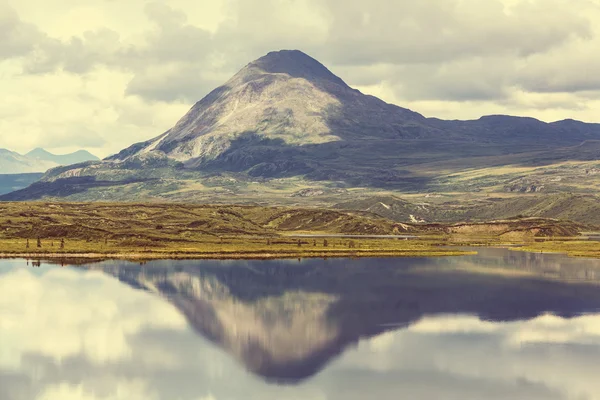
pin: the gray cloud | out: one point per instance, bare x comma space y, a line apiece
434, 31
78, 55
497, 58
437, 49
172, 40
569, 70
79, 136
18, 38
174, 82
16, 386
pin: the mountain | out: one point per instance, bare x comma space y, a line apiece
65, 159
38, 160
284, 100
162, 225
15, 163
286, 123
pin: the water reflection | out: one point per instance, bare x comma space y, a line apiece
466, 328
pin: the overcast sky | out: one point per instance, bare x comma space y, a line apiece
103, 74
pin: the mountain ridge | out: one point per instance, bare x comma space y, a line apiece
287, 118
39, 160
62, 159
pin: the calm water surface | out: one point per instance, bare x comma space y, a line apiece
499, 325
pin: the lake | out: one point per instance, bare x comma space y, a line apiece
498, 325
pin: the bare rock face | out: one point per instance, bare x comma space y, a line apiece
285, 97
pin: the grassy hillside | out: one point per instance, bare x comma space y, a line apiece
178, 221
579, 208
194, 231
181, 230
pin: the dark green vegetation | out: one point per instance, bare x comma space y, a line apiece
12, 182
285, 124
196, 231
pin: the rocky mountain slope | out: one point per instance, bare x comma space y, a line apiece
39, 160
285, 120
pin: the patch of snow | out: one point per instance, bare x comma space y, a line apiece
385, 205
415, 220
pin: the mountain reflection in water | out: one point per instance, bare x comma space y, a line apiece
501, 324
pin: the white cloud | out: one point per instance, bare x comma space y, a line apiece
72, 71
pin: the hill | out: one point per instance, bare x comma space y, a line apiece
38, 161
580, 208
285, 123
164, 223
62, 159
14, 163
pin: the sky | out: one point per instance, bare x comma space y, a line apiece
103, 74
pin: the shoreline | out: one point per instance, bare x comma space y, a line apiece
235, 255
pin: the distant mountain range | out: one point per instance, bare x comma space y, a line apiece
39, 160
285, 124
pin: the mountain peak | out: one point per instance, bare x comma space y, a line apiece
38, 151
286, 55
62, 159
284, 99
39, 160
297, 64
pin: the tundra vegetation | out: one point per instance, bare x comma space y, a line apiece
127, 230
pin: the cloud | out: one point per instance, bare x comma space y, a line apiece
18, 38
433, 31
472, 79
172, 82
569, 69
445, 58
